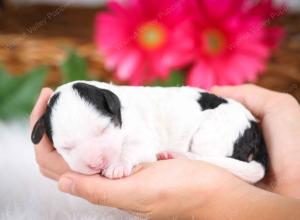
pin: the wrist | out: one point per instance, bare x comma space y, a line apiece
191, 199
222, 202
212, 196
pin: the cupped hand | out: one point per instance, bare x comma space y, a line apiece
279, 114
176, 188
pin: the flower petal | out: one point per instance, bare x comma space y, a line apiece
129, 65
201, 75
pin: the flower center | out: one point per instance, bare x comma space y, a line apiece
213, 41
151, 36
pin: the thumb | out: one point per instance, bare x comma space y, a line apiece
96, 189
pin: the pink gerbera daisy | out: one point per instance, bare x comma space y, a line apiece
233, 41
144, 40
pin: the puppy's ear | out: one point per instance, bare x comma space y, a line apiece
38, 130
112, 102
105, 101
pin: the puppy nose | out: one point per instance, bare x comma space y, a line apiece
96, 168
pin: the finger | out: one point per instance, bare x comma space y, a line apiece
258, 100
53, 162
48, 158
44, 147
37, 112
100, 190
49, 174
40, 105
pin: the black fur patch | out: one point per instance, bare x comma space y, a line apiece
251, 144
210, 101
103, 100
38, 131
47, 116
44, 123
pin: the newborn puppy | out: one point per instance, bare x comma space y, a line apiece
108, 129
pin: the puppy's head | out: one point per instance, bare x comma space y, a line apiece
84, 123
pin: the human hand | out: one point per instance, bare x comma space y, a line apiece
176, 188
144, 188
279, 114
51, 164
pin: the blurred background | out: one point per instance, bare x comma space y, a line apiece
199, 43
49, 42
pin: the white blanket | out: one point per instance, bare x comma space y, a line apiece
26, 195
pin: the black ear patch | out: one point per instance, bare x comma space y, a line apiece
210, 101
251, 146
38, 131
103, 100
44, 123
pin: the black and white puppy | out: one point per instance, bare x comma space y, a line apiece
108, 129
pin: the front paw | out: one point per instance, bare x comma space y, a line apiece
168, 155
117, 170
165, 155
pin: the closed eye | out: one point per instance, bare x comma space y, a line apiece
67, 148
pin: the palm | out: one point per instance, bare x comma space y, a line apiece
156, 186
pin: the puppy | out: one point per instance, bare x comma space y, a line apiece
108, 129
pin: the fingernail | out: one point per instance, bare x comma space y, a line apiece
66, 185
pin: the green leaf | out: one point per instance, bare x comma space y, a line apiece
74, 67
176, 78
19, 93
7, 83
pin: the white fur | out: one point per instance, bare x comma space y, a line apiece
26, 195
154, 120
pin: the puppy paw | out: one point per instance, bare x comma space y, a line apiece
167, 155
117, 171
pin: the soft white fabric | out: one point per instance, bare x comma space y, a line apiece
26, 195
